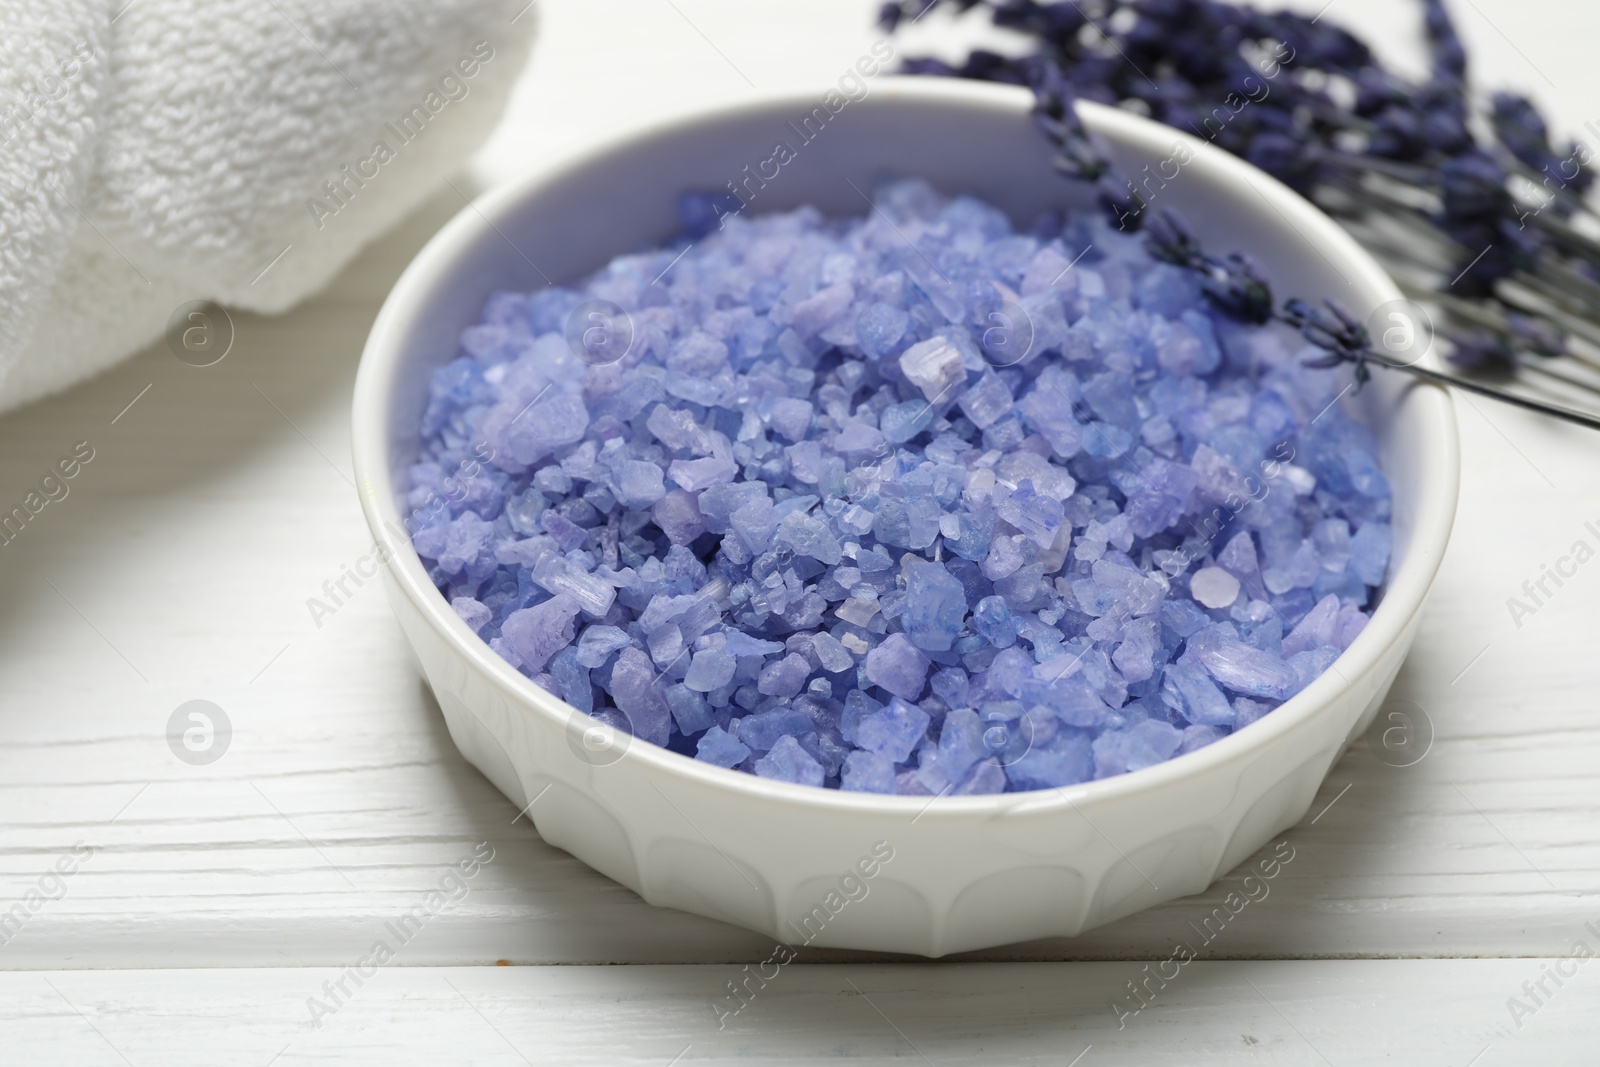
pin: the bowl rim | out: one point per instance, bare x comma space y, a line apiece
479, 221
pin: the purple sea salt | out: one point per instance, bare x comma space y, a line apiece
1242, 668
933, 366
784, 678
594, 595
537, 633
472, 613
1149, 742
788, 762
867, 772
635, 692
894, 731
1214, 587
711, 669
935, 606
897, 667
716, 747
823, 523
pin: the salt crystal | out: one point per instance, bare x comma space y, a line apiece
1198, 737
572, 680
598, 642
740, 644
547, 426
717, 748
898, 667
858, 611
633, 688
894, 731
689, 710
1191, 693
833, 655
678, 430
466, 540
1369, 552
791, 418
1214, 587
788, 762
710, 669
867, 772
786, 677
539, 632
986, 401
1065, 760
933, 366
1147, 743
880, 327
558, 575
1242, 668
472, 612
936, 606
809, 536
1238, 558
901, 422
699, 354
961, 742
640, 485
678, 515
1316, 630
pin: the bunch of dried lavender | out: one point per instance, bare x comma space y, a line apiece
1490, 232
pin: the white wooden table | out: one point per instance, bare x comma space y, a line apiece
219, 898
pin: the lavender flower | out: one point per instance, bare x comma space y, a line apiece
1342, 337
1234, 284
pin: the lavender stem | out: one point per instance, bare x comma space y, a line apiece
1567, 414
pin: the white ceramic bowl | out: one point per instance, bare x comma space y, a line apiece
968, 872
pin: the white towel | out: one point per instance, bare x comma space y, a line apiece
241, 151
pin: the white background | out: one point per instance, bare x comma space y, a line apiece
220, 898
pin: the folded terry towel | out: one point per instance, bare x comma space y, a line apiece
155, 152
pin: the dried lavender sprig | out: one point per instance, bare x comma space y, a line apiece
1561, 291
1238, 289
1570, 300
1173, 54
1346, 341
1489, 353
1539, 338
1554, 410
1416, 193
1544, 335
1409, 202
1055, 113
1471, 192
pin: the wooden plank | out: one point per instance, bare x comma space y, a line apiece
1404, 1011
